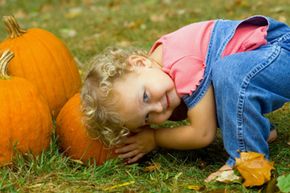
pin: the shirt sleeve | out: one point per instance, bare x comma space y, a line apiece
187, 72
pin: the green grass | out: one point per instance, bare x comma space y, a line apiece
87, 27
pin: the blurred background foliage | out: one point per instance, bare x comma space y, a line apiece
88, 26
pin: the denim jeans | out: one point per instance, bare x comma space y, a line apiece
247, 85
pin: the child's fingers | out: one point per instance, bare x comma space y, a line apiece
125, 149
136, 158
128, 154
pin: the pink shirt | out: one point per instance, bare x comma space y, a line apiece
184, 51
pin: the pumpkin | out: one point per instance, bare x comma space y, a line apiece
25, 119
43, 59
73, 138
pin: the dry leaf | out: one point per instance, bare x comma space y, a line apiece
157, 18
228, 176
220, 190
152, 167
68, 33
73, 13
2, 2
254, 168
195, 187
118, 185
77, 161
282, 19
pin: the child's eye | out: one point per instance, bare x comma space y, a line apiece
145, 97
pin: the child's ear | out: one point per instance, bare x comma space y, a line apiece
138, 61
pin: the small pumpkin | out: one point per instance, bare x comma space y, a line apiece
44, 60
25, 119
73, 138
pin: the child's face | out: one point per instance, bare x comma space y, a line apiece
147, 96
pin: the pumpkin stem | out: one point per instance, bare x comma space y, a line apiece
4, 61
12, 27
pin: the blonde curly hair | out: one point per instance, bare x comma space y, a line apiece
99, 101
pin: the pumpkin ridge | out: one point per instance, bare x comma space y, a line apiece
57, 64
10, 118
45, 86
70, 66
45, 92
20, 61
62, 75
44, 133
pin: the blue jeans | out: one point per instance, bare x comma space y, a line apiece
248, 85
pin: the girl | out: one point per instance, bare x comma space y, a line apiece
246, 62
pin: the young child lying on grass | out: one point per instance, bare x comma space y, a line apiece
217, 73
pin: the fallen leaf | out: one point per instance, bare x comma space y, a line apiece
282, 19
221, 190
195, 187
20, 14
254, 168
133, 24
2, 2
68, 33
284, 183
77, 161
152, 167
278, 9
228, 176
73, 13
36, 185
157, 18
118, 185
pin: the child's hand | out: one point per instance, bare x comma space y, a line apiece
132, 148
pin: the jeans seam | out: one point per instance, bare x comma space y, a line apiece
241, 99
281, 39
201, 90
227, 39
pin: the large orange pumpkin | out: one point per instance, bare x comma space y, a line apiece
73, 138
25, 119
44, 60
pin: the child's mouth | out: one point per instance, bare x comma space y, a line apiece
167, 100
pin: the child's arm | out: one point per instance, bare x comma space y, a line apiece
200, 133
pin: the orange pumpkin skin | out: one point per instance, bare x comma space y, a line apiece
73, 138
43, 59
25, 119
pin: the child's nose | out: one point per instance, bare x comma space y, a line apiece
157, 107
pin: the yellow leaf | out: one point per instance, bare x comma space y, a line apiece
254, 168
119, 185
152, 167
195, 187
